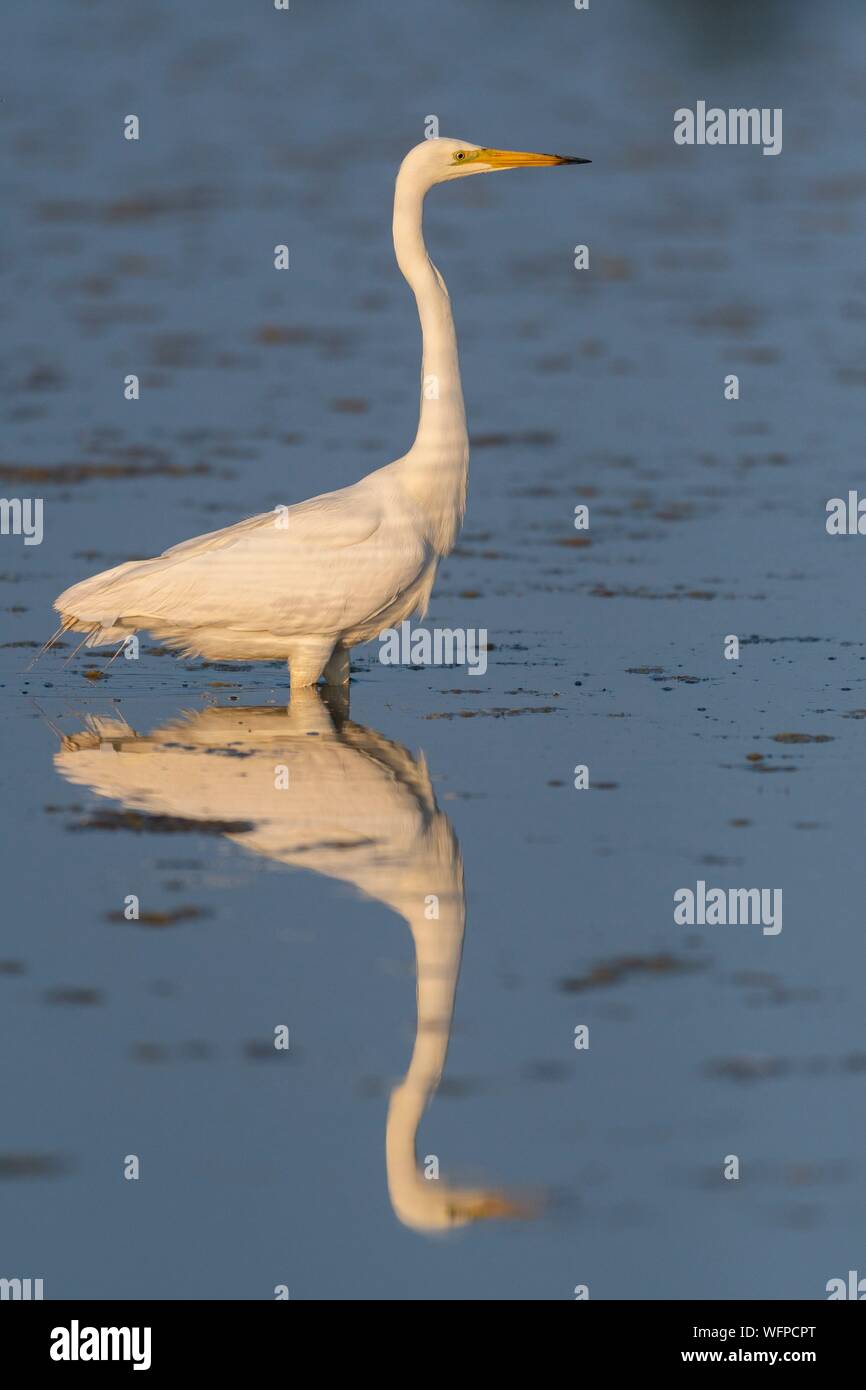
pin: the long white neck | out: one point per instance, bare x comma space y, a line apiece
436, 468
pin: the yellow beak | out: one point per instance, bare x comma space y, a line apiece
519, 159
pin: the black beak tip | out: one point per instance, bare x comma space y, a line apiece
568, 159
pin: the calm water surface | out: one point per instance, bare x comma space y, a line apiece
300, 908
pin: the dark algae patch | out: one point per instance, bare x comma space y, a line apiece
613, 972
802, 738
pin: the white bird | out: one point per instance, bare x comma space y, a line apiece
305, 583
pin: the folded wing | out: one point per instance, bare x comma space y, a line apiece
318, 566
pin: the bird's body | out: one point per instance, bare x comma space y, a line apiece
305, 583
302, 585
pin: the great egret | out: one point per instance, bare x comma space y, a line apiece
359, 808
306, 583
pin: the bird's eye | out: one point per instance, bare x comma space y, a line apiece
460, 154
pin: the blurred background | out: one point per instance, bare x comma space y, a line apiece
605, 387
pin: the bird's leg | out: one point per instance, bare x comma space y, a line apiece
307, 660
337, 669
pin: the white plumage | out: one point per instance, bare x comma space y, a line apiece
306, 583
292, 584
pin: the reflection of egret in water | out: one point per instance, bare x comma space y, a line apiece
358, 808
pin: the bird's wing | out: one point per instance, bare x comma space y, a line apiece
335, 519
319, 566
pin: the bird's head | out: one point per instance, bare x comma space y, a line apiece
437, 161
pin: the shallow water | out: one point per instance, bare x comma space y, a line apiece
263, 908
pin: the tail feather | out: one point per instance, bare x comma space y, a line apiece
93, 606
55, 637
85, 641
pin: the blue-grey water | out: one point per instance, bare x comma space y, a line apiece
154, 1038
